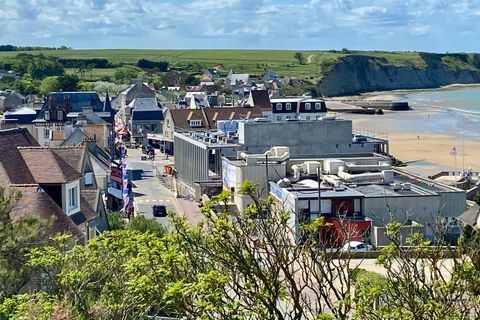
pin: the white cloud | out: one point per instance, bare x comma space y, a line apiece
279, 24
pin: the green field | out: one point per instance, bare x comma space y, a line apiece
255, 62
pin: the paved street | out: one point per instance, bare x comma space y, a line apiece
146, 189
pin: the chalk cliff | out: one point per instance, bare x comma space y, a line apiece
360, 73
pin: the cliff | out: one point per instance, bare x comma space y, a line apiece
360, 73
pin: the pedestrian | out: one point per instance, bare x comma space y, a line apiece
418, 137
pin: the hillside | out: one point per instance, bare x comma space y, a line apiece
361, 73
335, 72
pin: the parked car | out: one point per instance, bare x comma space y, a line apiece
159, 210
148, 148
356, 246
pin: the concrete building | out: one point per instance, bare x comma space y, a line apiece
198, 154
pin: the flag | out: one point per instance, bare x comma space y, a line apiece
453, 152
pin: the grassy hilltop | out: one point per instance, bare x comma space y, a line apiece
256, 62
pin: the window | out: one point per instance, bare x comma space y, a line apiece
72, 198
307, 118
195, 123
47, 115
279, 118
279, 106
289, 106
318, 106
89, 178
47, 133
308, 106
60, 115
168, 122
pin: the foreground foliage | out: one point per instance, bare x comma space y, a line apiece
245, 265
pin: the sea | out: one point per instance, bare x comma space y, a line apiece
460, 109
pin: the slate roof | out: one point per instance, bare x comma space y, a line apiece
14, 168
78, 100
242, 78
75, 138
470, 216
38, 202
48, 167
144, 104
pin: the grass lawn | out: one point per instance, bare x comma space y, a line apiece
254, 62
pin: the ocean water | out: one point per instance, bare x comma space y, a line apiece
459, 109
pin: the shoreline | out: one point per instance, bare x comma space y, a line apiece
423, 136
402, 94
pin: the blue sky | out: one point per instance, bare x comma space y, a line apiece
405, 25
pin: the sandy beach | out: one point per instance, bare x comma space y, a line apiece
423, 137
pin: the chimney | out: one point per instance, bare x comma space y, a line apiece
87, 110
67, 105
53, 107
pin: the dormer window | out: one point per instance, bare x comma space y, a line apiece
72, 198
195, 123
279, 106
308, 106
318, 106
60, 114
47, 115
288, 106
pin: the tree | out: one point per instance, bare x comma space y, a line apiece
50, 84
299, 57
15, 241
126, 73
246, 265
143, 225
68, 82
418, 283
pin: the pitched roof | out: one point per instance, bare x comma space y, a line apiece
231, 113
14, 167
181, 118
59, 135
471, 215
37, 202
87, 203
74, 156
144, 104
48, 167
242, 78
75, 138
259, 98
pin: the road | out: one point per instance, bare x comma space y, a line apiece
146, 189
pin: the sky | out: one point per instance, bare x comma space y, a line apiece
404, 25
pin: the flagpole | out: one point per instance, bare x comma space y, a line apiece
455, 170
463, 143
